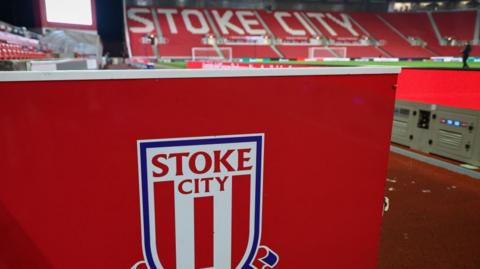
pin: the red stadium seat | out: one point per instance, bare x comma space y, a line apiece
17, 52
403, 35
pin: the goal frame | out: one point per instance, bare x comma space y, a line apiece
226, 54
331, 50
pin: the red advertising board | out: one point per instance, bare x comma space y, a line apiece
454, 88
238, 65
256, 168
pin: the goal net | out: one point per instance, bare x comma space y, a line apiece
211, 54
327, 52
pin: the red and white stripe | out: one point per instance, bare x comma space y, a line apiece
201, 230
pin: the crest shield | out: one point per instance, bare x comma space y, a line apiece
201, 201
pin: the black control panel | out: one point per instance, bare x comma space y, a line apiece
423, 119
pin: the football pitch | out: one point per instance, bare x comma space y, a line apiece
420, 64
413, 64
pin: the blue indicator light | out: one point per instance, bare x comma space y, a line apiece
450, 122
457, 123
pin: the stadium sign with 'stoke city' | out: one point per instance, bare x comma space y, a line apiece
201, 202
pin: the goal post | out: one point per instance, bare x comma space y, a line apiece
212, 54
327, 52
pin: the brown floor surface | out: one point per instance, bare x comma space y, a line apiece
434, 218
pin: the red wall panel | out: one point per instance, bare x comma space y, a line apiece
69, 190
456, 88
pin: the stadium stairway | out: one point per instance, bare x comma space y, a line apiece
459, 25
393, 42
418, 26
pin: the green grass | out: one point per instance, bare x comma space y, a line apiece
423, 64
426, 64
172, 65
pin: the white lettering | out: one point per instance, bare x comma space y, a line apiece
345, 23
319, 17
224, 22
279, 16
204, 29
304, 23
247, 23
168, 14
132, 14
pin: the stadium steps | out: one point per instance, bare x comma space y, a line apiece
459, 24
381, 50
270, 33
446, 50
212, 23
333, 52
215, 32
434, 25
418, 25
476, 35
393, 28
397, 25
384, 52
156, 22
395, 45
312, 24
277, 51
